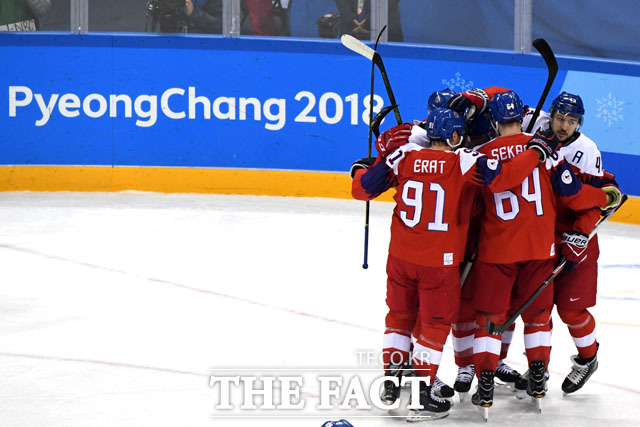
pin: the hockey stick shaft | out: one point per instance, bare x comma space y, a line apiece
360, 48
466, 269
378, 61
496, 329
552, 67
365, 263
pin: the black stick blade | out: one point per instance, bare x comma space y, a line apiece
545, 51
552, 70
375, 123
494, 329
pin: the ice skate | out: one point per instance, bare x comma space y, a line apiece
523, 381
537, 382
408, 371
483, 397
506, 376
463, 381
391, 392
433, 406
443, 390
581, 371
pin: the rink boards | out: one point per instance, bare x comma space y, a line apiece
275, 116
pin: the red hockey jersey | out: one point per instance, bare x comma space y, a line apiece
431, 217
518, 224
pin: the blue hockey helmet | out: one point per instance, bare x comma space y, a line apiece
480, 125
506, 107
569, 105
441, 124
439, 99
341, 423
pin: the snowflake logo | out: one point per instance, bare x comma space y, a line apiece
457, 82
609, 109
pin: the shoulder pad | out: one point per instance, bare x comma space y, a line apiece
467, 158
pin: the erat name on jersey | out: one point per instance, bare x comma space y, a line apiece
507, 152
428, 166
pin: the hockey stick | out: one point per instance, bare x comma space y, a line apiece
467, 269
377, 120
552, 66
372, 55
496, 329
365, 263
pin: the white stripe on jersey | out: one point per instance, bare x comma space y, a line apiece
507, 337
585, 341
537, 339
463, 343
487, 344
397, 341
468, 158
426, 354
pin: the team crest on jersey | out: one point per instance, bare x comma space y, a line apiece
566, 177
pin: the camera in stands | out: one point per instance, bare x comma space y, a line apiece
166, 16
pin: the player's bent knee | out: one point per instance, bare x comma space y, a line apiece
401, 320
537, 317
572, 317
497, 318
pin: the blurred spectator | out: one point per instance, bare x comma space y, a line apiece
22, 15
262, 22
204, 16
355, 19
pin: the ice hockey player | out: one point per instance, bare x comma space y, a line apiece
516, 250
428, 234
575, 288
480, 131
437, 99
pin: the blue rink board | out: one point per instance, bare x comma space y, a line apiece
309, 94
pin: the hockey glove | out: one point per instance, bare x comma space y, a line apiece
606, 182
363, 163
574, 245
614, 196
469, 103
546, 142
393, 138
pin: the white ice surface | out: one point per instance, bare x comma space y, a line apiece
115, 309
